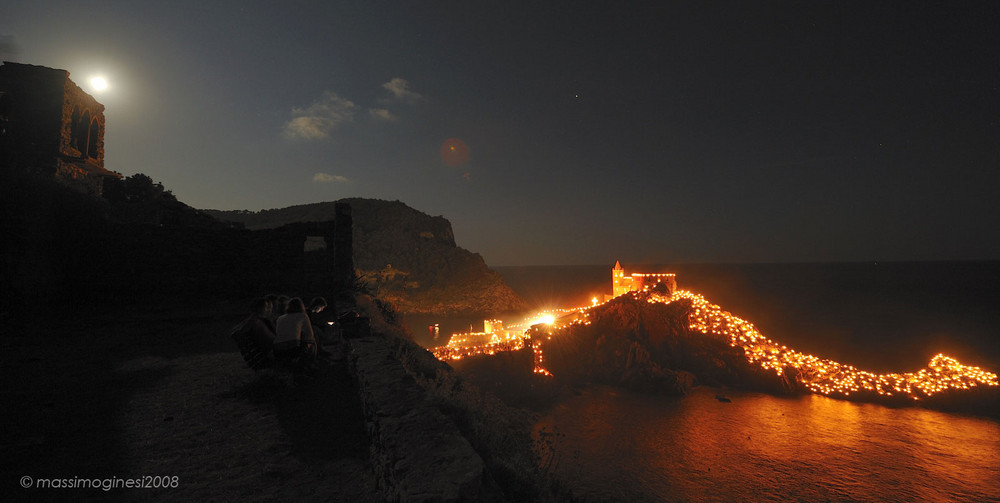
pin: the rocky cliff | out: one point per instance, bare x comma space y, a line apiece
648, 346
405, 256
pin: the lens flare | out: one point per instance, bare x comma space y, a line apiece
454, 152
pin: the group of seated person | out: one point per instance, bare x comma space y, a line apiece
282, 331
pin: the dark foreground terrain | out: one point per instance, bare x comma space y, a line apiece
163, 392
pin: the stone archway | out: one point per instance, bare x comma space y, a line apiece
94, 134
81, 131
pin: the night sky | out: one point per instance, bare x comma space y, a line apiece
586, 132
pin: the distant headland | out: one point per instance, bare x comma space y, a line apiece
404, 256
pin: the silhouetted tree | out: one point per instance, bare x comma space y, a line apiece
136, 188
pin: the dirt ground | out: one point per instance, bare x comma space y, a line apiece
162, 395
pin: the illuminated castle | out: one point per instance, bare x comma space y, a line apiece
639, 281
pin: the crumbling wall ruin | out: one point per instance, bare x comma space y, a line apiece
50, 126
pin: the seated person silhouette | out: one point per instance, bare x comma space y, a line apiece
294, 342
255, 335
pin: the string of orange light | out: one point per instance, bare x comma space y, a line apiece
827, 376
819, 375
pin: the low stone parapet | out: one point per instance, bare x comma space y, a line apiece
418, 453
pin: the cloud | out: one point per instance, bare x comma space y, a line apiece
328, 178
400, 90
319, 119
307, 128
382, 114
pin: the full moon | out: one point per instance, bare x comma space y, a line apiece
98, 83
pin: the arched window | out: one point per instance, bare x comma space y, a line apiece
74, 129
82, 130
93, 136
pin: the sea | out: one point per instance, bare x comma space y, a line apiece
609, 444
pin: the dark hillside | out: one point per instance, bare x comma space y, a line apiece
66, 249
406, 256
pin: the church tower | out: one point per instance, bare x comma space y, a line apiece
637, 282
618, 286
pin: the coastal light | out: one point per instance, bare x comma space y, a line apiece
828, 377
818, 375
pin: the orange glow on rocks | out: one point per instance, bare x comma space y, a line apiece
826, 377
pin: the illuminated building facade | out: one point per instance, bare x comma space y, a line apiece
49, 126
492, 326
635, 282
492, 333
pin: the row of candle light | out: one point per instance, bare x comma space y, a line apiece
827, 376
459, 351
822, 376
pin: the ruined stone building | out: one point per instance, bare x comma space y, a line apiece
49, 126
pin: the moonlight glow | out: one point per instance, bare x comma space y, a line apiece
98, 83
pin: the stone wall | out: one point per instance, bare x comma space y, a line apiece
49, 125
418, 453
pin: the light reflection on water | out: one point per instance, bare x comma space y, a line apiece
622, 446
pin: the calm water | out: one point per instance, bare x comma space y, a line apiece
615, 445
